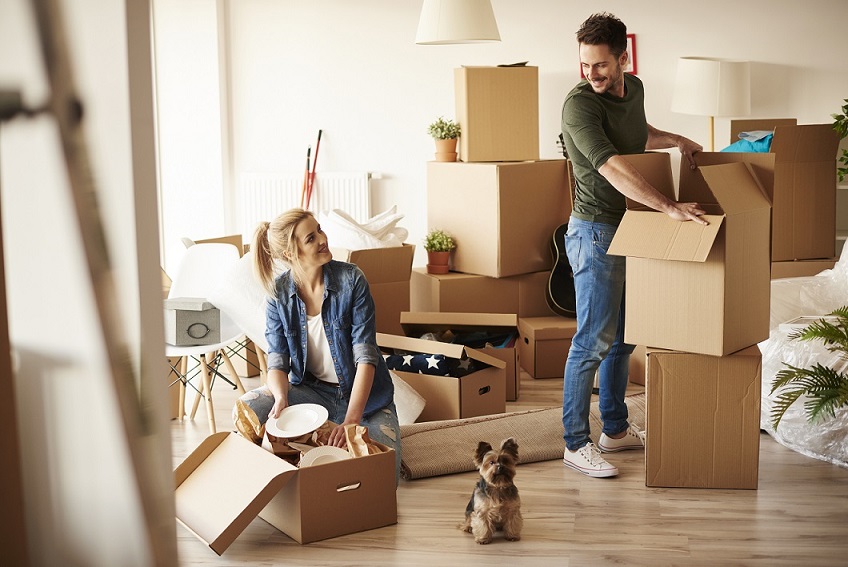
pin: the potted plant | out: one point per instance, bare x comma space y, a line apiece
840, 124
445, 133
826, 389
438, 245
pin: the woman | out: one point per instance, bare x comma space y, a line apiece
321, 334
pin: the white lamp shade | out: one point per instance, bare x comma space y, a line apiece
712, 87
456, 21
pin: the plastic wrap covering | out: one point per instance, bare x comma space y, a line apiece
826, 439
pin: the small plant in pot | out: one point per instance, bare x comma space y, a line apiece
438, 245
445, 133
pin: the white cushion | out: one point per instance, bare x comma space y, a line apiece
408, 402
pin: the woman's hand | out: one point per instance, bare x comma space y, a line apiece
337, 435
280, 403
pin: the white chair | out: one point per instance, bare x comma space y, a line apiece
199, 275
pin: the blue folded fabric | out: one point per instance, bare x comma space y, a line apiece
756, 141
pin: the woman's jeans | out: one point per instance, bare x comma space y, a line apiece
598, 344
382, 425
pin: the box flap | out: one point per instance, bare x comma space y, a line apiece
804, 144
751, 125
649, 234
435, 347
735, 187
655, 167
224, 484
416, 323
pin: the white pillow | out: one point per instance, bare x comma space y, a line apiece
408, 402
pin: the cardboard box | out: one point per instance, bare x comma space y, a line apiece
387, 271
544, 343
523, 295
637, 370
308, 504
696, 288
703, 419
800, 268
799, 175
502, 215
498, 111
415, 324
480, 393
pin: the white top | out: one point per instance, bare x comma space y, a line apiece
319, 359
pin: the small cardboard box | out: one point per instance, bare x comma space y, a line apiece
498, 111
502, 215
480, 393
387, 271
800, 268
416, 324
696, 288
544, 343
523, 295
191, 321
703, 419
799, 176
308, 504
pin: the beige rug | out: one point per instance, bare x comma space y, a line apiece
446, 447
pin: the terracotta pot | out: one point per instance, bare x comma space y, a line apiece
446, 149
437, 262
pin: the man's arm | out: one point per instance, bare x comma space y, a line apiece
659, 140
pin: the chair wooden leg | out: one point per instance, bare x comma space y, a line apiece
233, 374
183, 371
207, 392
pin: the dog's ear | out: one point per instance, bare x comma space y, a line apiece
510, 447
482, 449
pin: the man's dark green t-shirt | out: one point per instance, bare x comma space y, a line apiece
596, 127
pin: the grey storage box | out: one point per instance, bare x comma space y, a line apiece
191, 321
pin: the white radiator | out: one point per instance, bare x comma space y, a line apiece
261, 197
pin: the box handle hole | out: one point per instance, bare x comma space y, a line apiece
344, 487
484, 390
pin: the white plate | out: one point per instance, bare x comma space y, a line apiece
297, 420
322, 455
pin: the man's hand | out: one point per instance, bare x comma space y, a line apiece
688, 149
687, 212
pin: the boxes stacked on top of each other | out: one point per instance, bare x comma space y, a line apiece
698, 296
501, 203
495, 334
455, 381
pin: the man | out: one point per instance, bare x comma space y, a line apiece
603, 117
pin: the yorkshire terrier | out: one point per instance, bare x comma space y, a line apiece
494, 504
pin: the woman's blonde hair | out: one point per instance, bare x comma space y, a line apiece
275, 241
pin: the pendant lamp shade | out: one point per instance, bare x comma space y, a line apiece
456, 21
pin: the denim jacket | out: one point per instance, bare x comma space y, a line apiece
349, 319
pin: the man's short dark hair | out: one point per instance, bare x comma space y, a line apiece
604, 29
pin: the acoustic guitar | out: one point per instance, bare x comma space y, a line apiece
560, 294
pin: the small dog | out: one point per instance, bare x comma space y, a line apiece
494, 504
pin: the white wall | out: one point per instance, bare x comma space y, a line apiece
353, 70
82, 499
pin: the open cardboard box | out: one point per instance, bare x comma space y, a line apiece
695, 288
479, 393
703, 419
416, 324
799, 177
387, 271
227, 481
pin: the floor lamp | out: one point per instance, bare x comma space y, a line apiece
712, 87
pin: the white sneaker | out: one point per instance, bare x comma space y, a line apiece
633, 439
588, 460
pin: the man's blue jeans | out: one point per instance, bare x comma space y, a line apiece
599, 341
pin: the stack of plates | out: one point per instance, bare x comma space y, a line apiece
323, 455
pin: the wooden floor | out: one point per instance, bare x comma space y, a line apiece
797, 517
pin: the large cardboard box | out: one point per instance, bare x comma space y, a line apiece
544, 343
416, 324
799, 176
502, 215
703, 419
800, 268
387, 271
523, 295
482, 392
498, 111
308, 504
696, 288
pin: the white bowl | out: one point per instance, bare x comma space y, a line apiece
323, 455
